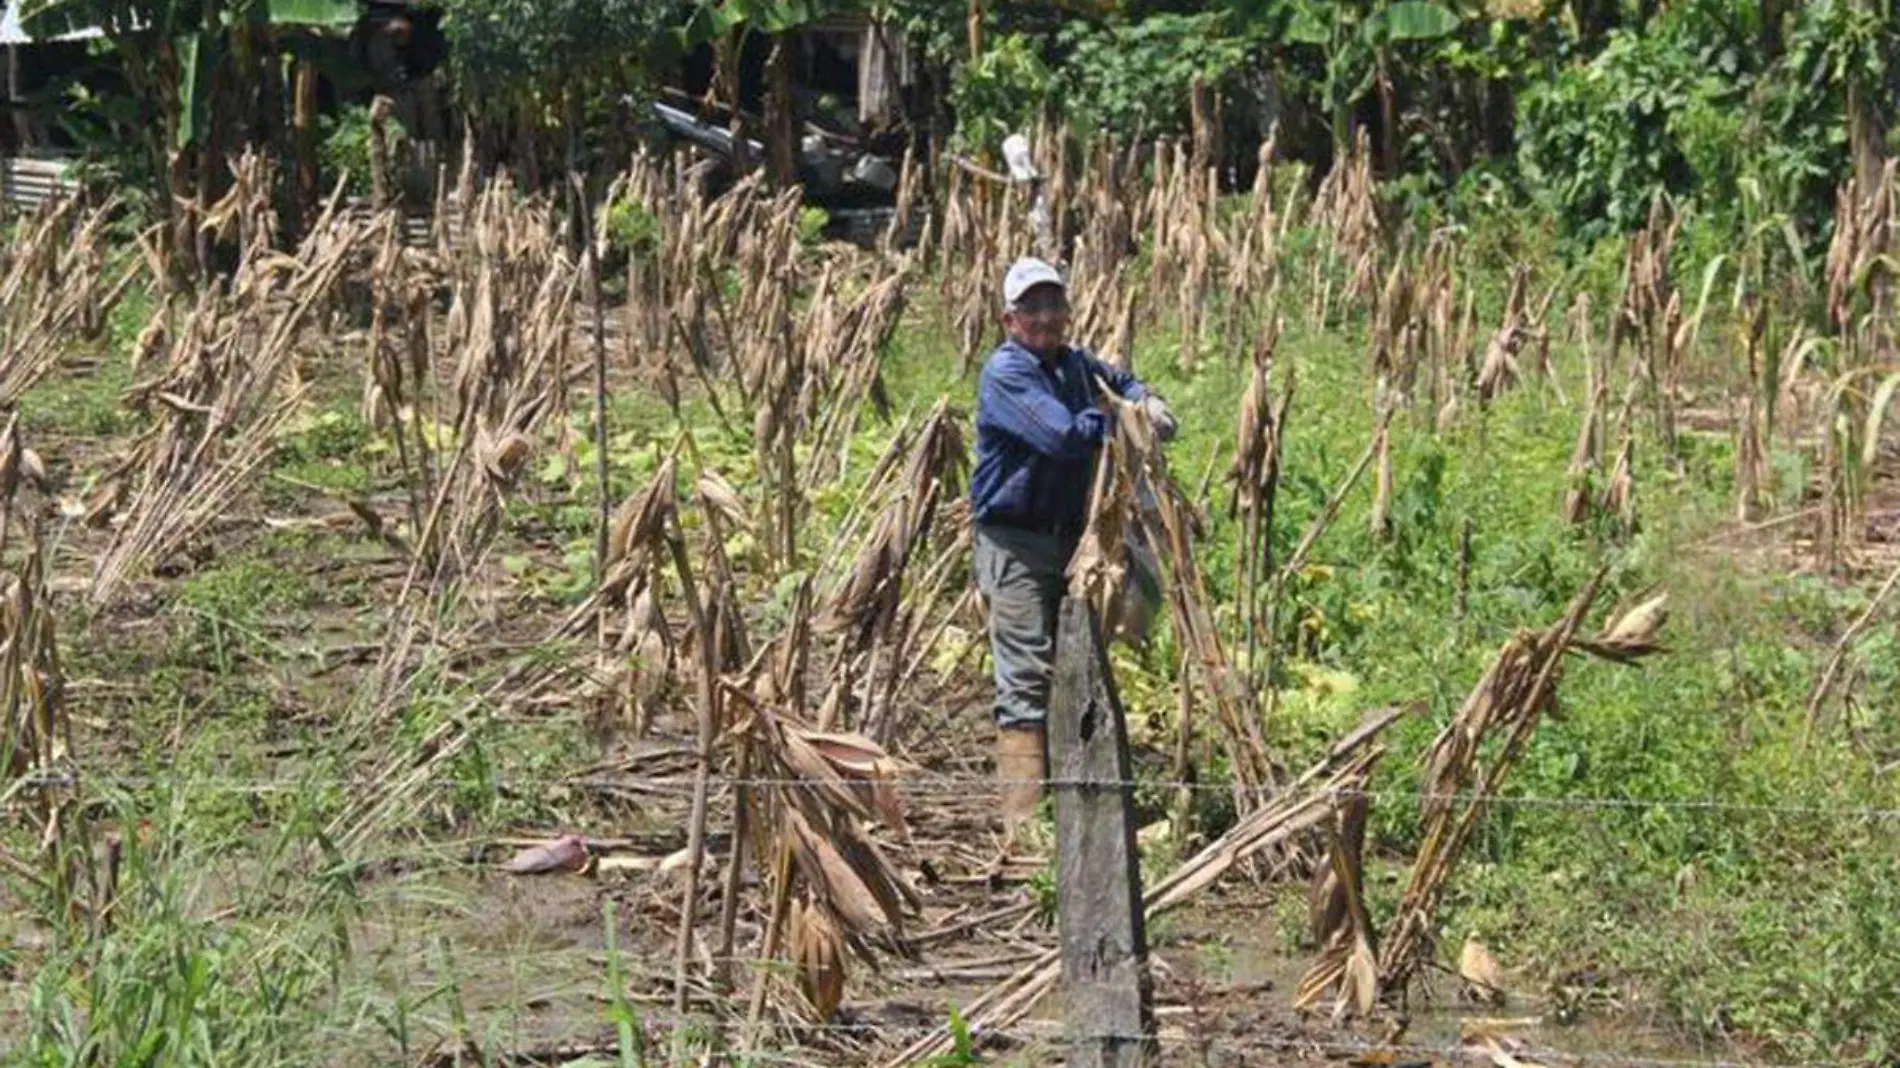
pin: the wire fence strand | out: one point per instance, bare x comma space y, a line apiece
1051, 1034
955, 786
968, 785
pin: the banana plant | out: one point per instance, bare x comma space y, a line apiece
182, 59
1356, 39
724, 24
171, 49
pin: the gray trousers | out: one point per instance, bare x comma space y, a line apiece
1020, 573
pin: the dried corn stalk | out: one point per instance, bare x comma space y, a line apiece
1348, 962
1507, 703
1255, 474
826, 787
1586, 459
1306, 804
1619, 490
1346, 208
1753, 476
866, 607
1863, 235
53, 290
219, 402
1132, 458
36, 728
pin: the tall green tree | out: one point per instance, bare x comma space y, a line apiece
543, 78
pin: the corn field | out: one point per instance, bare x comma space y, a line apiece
681, 503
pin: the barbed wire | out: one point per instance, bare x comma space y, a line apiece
891, 1031
1051, 1033
948, 785
1471, 1050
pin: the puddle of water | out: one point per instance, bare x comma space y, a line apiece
1440, 1021
522, 953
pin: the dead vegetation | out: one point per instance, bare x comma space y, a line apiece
55, 286
800, 722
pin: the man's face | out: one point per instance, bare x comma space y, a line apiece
1041, 319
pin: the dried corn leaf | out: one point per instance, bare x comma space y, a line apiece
1642, 623
640, 520
1480, 972
503, 458
807, 763
1362, 975
837, 885
719, 496
818, 950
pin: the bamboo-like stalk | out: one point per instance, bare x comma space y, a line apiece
590, 268
706, 637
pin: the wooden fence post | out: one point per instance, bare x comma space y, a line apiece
1108, 989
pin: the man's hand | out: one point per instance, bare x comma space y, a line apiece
1165, 424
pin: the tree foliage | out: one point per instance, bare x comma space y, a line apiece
513, 50
1137, 77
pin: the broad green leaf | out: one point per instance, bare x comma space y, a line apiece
312, 12
1876, 415
1418, 20
1709, 274
190, 70
1798, 360
1796, 252
44, 19
1307, 28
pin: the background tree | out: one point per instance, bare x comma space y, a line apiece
206, 78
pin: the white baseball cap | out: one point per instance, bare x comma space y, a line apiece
1025, 274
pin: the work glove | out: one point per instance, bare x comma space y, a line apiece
1161, 416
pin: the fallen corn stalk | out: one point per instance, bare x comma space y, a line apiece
1510, 701
1304, 805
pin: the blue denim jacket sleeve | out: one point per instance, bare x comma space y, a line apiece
1036, 433
1015, 399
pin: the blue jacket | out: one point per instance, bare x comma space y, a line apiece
1037, 431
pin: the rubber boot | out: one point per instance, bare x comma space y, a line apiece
1021, 766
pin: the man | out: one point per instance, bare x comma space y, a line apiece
1039, 425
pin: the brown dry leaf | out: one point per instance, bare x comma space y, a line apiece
893, 893
1633, 635
1318, 980
32, 468
818, 950
852, 752
857, 757
566, 853
1362, 972
1641, 624
150, 340
1448, 414
720, 496
890, 808
806, 762
505, 456
639, 519
832, 876
1480, 972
